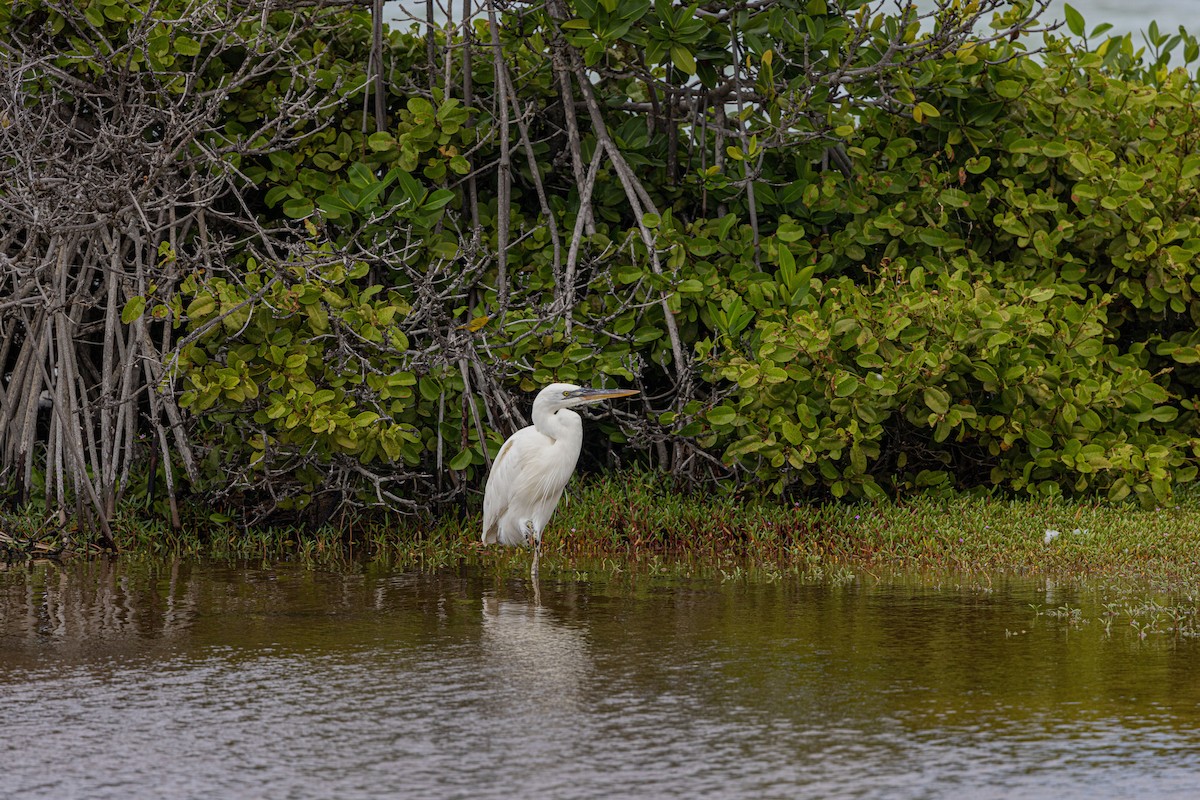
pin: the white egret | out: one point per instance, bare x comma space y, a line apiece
534, 465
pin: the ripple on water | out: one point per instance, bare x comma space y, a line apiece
458, 687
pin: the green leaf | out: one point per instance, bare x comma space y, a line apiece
858, 459
360, 175
845, 385
937, 400
934, 237
628, 273
443, 249
1074, 20
419, 106
133, 309
187, 46
683, 59
790, 232
438, 199
955, 198
792, 432
410, 186
1038, 438
276, 194
298, 209
332, 205
1130, 182
1164, 414
380, 141
646, 333
461, 461
978, 165
429, 388
721, 415
1009, 89
869, 361
201, 306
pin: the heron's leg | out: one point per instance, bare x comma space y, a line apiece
537, 548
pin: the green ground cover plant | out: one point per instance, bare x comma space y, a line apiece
638, 524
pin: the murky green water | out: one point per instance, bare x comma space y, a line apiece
194, 681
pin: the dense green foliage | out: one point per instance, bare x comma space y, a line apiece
1007, 293
998, 286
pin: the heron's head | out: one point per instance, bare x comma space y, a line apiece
565, 395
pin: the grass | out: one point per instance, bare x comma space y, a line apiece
634, 521
634, 516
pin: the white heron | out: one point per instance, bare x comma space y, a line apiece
534, 465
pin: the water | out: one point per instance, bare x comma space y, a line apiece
191, 681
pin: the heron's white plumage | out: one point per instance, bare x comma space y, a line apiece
535, 464
526, 482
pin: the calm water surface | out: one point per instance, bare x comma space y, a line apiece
209, 681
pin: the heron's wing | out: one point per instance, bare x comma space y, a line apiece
500, 484
525, 483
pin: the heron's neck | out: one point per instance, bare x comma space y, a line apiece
563, 424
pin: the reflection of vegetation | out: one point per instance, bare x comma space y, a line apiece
845, 250
787, 648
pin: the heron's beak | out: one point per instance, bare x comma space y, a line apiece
589, 395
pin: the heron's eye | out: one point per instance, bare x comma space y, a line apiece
566, 394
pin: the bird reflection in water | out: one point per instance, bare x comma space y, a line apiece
534, 655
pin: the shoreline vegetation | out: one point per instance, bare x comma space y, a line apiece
857, 261
635, 522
